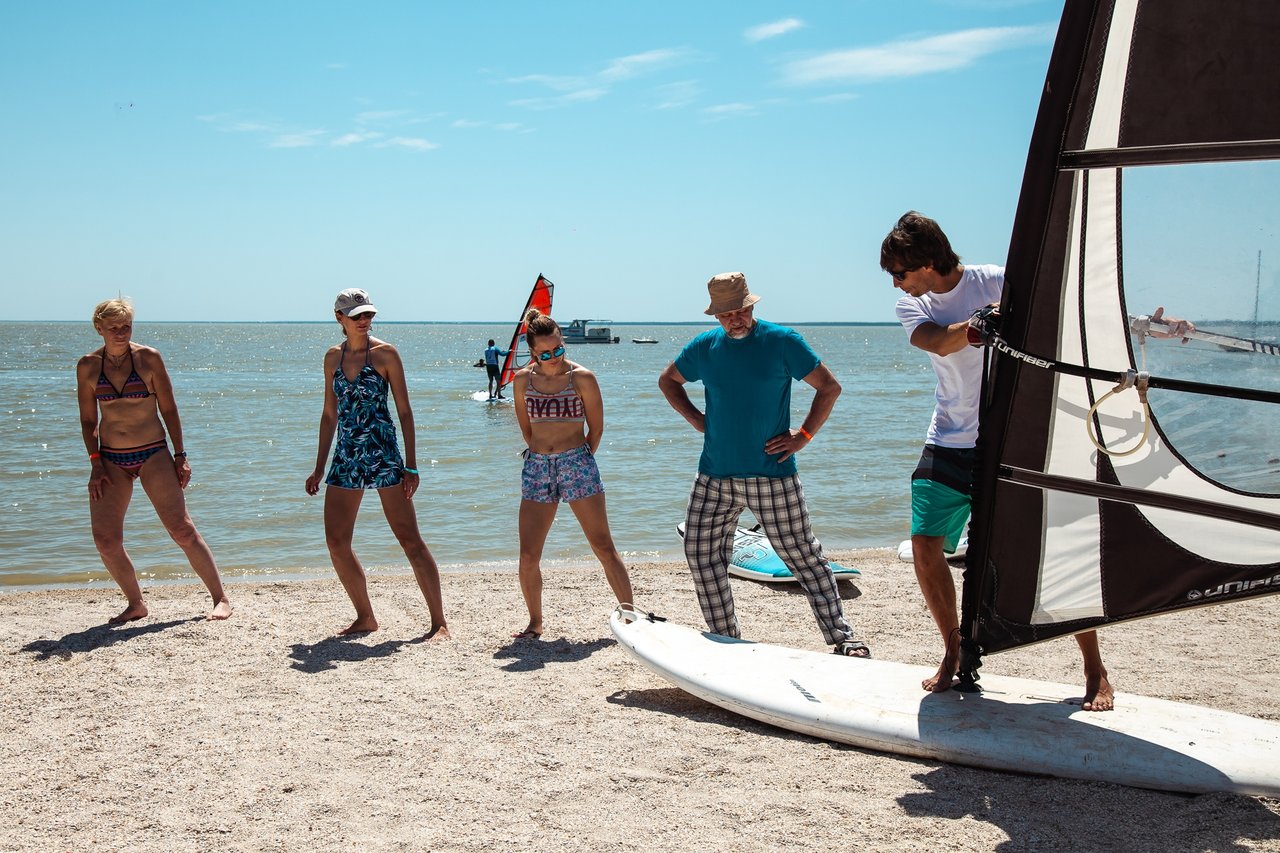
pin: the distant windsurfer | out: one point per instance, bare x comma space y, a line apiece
941, 295
748, 461
493, 366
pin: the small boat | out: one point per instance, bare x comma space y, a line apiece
578, 333
644, 340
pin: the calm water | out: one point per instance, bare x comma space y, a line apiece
250, 397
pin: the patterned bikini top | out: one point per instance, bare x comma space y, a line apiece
563, 406
134, 387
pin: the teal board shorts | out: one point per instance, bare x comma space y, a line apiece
940, 490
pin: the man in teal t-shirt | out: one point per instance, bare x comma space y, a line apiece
746, 368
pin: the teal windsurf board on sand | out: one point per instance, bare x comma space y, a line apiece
754, 559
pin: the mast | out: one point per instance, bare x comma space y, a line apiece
1257, 292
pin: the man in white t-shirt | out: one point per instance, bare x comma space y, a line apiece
941, 295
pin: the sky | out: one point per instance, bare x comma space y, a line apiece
248, 160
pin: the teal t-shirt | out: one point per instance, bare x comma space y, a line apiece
748, 395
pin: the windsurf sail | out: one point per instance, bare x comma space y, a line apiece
540, 298
1149, 181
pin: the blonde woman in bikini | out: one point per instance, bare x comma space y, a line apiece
126, 409
561, 416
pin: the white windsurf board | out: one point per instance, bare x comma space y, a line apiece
1015, 724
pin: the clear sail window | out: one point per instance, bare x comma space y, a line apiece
1203, 242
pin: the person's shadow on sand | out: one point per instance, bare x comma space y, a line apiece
98, 637
329, 652
1039, 813
526, 655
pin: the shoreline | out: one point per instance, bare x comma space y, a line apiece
266, 733
185, 576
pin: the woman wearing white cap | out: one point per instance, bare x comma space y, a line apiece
361, 370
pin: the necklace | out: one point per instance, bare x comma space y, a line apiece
117, 360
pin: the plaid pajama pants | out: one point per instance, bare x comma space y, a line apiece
715, 505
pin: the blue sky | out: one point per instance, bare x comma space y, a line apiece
241, 160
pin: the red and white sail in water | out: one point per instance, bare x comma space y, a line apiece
540, 298
1089, 509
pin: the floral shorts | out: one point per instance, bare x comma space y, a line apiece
554, 477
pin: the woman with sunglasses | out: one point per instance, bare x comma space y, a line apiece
561, 416
359, 373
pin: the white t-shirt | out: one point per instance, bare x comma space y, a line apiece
955, 417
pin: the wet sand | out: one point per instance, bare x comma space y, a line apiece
266, 733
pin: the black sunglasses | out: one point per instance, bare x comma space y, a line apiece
901, 275
555, 353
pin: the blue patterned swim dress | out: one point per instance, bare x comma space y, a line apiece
366, 455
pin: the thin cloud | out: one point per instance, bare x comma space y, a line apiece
626, 67
552, 81
676, 95
355, 138
563, 100
412, 143
584, 89
503, 126
912, 57
227, 123
772, 30
838, 98
375, 116
302, 139
726, 110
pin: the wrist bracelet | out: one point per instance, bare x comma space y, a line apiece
413, 471
808, 435
181, 454
93, 456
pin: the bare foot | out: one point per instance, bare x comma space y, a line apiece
221, 610
129, 614
1098, 694
533, 632
943, 679
438, 632
363, 625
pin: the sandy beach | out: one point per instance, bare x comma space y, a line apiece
265, 733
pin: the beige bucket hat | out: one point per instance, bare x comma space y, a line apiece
729, 293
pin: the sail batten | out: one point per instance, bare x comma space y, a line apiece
1143, 497
1169, 155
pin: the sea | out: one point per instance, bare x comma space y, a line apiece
250, 396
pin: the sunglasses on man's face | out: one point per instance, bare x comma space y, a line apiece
550, 354
901, 275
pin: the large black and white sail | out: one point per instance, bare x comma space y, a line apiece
1159, 124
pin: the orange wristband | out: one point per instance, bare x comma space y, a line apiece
808, 436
